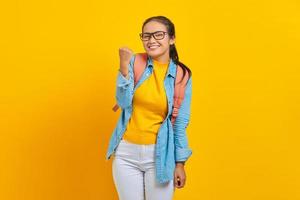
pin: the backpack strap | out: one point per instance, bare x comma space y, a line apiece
116, 107
179, 91
139, 66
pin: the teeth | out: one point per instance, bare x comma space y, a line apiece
153, 47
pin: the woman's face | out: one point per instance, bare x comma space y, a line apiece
157, 48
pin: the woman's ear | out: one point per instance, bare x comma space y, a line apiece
172, 41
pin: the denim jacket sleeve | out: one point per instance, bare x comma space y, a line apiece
124, 89
182, 150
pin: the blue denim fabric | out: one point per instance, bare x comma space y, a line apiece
171, 143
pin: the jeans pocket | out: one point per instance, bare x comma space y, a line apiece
119, 147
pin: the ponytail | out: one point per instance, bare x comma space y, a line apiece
174, 56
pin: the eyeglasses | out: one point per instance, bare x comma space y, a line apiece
158, 35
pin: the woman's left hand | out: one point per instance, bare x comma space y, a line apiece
179, 176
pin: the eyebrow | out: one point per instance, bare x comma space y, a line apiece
154, 31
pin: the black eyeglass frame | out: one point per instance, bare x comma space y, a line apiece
141, 35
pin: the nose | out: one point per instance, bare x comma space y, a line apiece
151, 39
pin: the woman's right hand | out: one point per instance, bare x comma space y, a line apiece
125, 57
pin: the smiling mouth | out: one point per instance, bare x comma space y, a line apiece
153, 47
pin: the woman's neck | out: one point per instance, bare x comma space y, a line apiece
161, 61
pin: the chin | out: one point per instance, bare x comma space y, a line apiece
154, 54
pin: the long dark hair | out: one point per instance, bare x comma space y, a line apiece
171, 32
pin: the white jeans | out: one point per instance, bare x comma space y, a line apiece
133, 169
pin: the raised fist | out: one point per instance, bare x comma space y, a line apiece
125, 57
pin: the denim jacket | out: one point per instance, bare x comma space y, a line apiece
171, 144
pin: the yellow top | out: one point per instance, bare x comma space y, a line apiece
149, 107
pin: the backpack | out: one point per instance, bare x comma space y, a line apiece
139, 66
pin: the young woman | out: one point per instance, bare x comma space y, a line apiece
149, 151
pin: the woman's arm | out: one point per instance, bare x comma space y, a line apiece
182, 150
124, 89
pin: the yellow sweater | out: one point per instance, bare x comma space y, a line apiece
149, 107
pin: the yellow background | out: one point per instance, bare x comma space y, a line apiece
58, 67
